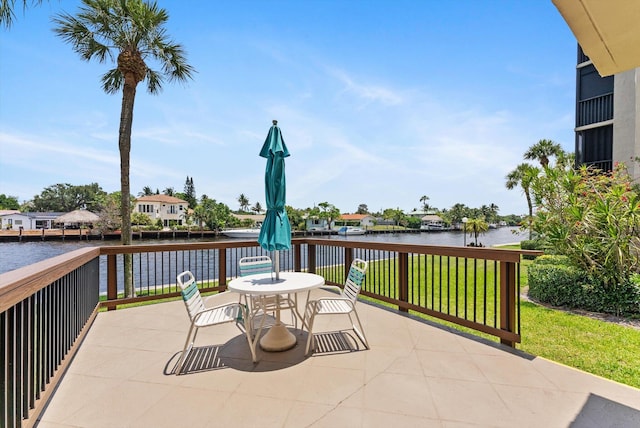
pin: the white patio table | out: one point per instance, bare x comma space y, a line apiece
278, 338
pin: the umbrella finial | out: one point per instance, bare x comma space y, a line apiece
275, 122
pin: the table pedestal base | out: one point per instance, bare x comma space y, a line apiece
278, 338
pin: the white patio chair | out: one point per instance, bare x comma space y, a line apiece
203, 316
267, 304
345, 304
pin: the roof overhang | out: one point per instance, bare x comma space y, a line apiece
607, 30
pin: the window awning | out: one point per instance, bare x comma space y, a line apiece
608, 31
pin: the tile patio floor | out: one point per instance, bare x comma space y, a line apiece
416, 374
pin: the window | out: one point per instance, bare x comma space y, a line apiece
172, 209
145, 208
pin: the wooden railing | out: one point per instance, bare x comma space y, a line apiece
45, 311
46, 308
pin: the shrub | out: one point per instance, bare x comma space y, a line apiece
530, 244
556, 284
591, 216
553, 260
553, 280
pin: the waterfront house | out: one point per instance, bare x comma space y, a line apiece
169, 209
357, 220
28, 221
432, 222
315, 223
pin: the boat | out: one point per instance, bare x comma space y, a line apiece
242, 233
434, 227
351, 230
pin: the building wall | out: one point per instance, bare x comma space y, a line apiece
170, 213
626, 125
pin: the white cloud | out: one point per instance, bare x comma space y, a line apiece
368, 92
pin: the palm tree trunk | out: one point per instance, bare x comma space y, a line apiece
530, 219
126, 120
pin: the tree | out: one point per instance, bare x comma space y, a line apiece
66, 197
215, 216
7, 16
393, 214
542, 151
190, 192
592, 218
296, 217
257, 208
523, 176
244, 202
327, 212
476, 226
423, 201
169, 191
146, 191
362, 209
110, 213
457, 213
9, 202
133, 32
493, 213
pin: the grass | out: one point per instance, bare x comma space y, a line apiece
603, 348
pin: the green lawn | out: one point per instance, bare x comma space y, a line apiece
599, 347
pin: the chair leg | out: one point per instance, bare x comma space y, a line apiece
310, 339
360, 332
188, 345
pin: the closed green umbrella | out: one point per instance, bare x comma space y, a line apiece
275, 233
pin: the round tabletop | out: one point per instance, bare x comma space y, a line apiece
265, 283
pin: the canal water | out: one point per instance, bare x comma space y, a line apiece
14, 255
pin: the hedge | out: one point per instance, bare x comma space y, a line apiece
554, 281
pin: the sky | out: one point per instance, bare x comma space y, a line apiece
379, 102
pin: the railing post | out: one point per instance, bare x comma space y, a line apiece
311, 258
222, 263
403, 279
508, 299
112, 280
348, 259
297, 257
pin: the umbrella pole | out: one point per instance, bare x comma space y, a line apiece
276, 258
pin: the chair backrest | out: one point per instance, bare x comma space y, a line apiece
190, 293
355, 279
255, 265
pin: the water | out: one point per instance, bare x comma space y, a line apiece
14, 255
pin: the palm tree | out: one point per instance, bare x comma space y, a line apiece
493, 209
476, 226
542, 151
523, 176
423, 201
257, 208
243, 201
132, 33
146, 191
6, 10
